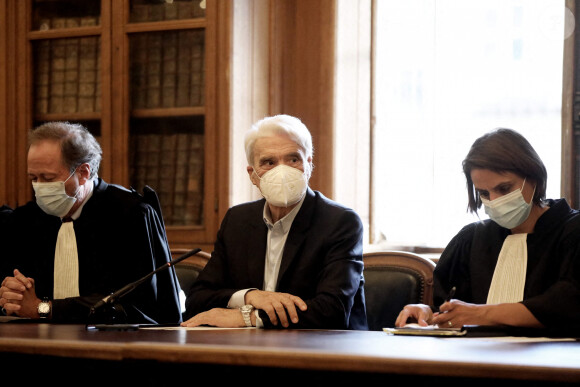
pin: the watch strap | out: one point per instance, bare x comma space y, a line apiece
246, 311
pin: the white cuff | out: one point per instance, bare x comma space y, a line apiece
237, 299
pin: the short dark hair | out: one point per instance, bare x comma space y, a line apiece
504, 150
77, 144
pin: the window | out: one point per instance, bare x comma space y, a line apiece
446, 72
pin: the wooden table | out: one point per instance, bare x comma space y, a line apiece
167, 357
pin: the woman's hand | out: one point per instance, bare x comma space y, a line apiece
419, 313
456, 313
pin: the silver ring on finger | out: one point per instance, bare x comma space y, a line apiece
450, 324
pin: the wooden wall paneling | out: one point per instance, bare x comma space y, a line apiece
302, 68
110, 144
284, 63
119, 77
315, 75
281, 23
5, 178
23, 122
219, 140
570, 102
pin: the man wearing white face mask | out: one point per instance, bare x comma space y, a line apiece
292, 259
519, 268
81, 240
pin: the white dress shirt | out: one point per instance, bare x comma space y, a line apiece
276, 239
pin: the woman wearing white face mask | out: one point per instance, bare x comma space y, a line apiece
518, 268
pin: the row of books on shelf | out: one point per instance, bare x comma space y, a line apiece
167, 69
173, 165
67, 75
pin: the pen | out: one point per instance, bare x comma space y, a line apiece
451, 294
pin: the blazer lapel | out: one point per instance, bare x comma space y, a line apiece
257, 240
298, 233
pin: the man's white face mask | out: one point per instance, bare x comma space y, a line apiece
52, 198
283, 186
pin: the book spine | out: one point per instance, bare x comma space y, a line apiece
138, 57
194, 200
88, 75
197, 69
167, 175
169, 69
154, 43
71, 75
183, 68
42, 78
181, 175
57, 76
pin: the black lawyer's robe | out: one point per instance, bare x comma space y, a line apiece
552, 289
322, 263
120, 239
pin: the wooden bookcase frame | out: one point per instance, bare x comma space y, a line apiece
16, 102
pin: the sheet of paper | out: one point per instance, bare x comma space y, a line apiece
514, 339
162, 328
430, 330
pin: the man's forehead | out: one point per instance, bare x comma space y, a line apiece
45, 154
45, 146
276, 145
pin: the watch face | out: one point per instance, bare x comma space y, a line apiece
44, 308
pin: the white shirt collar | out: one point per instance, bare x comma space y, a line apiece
286, 221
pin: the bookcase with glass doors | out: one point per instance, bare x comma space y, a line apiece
140, 75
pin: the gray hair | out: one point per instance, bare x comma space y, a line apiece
77, 144
276, 125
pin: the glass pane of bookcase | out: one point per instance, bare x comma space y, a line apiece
67, 75
167, 69
167, 154
55, 14
158, 10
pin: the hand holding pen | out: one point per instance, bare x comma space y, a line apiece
447, 299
